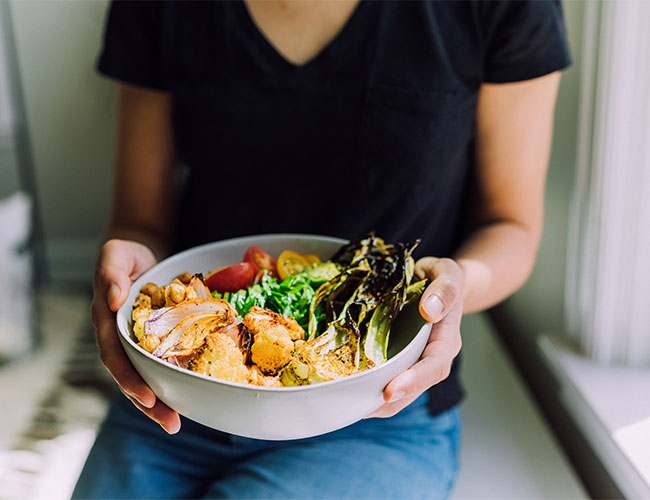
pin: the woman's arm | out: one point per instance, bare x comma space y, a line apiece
144, 196
139, 233
514, 132
514, 128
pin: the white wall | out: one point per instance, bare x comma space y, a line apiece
6, 117
70, 117
8, 170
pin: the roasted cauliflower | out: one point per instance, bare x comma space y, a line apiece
221, 358
273, 337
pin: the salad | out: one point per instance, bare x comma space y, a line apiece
285, 322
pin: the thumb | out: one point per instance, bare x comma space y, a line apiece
444, 289
119, 264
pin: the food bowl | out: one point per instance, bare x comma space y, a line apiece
272, 413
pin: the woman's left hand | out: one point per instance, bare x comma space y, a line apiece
442, 305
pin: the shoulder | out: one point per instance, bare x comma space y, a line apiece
495, 41
146, 42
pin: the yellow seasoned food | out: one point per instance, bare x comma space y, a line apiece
221, 358
140, 315
271, 351
202, 334
273, 336
256, 377
315, 361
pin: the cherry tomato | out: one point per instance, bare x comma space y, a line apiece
311, 259
261, 260
231, 278
290, 263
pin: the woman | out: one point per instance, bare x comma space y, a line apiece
426, 120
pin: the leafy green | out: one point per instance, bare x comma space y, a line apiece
415, 290
376, 341
321, 273
378, 285
291, 297
345, 305
317, 308
378, 329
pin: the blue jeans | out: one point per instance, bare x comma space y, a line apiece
411, 455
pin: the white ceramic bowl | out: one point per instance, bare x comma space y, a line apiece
266, 412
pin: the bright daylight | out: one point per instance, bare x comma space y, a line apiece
324, 249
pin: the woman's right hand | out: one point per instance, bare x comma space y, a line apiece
119, 264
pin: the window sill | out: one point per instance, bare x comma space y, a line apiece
610, 405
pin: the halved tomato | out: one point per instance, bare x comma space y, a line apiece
290, 263
261, 260
231, 278
312, 259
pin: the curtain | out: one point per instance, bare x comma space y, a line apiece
608, 282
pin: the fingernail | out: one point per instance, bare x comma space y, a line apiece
397, 396
141, 401
433, 306
113, 293
172, 429
133, 396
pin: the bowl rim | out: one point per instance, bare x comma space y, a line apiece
122, 324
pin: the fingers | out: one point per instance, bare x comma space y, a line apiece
160, 413
441, 304
434, 365
114, 358
389, 409
445, 288
119, 264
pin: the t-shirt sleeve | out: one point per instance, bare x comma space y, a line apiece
523, 40
132, 48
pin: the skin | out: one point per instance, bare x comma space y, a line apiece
514, 127
299, 30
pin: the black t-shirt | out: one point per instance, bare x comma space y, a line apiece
374, 133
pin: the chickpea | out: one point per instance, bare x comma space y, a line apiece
138, 327
176, 292
149, 289
184, 278
150, 342
142, 300
158, 297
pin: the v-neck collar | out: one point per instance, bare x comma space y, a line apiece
329, 52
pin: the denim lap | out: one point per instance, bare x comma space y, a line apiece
411, 455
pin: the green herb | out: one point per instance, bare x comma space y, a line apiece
345, 305
291, 297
